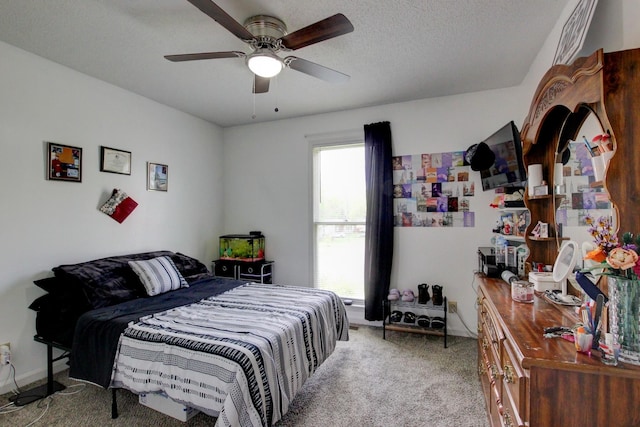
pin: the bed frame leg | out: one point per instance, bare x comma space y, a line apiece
114, 404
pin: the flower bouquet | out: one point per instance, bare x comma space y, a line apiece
619, 261
614, 259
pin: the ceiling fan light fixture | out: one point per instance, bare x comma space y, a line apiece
264, 63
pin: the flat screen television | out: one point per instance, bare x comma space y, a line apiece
508, 168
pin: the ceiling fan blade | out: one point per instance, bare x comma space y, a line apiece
316, 70
204, 55
223, 18
328, 28
260, 84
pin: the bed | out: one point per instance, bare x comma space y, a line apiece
237, 351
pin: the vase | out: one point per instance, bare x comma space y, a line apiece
624, 317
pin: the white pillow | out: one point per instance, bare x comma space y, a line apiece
158, 275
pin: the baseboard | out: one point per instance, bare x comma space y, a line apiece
24, 380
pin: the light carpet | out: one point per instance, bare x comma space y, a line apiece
405, 380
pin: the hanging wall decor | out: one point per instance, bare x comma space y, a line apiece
115, 161
432, 190
119, 206
64, 162
574, 32
157, 176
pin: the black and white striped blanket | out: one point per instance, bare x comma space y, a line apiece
241, 356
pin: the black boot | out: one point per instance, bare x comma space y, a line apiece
423, 293
437, 295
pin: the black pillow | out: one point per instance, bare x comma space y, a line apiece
188, 266
62, 290
41, 303
50, 284
107, 281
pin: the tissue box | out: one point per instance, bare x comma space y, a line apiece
163, 403
543, 281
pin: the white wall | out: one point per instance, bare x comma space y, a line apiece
47, 223
276, 201
614, 27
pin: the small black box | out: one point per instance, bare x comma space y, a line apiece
487, 262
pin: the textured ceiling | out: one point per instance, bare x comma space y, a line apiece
400, 50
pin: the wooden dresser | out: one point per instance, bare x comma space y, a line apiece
529, 380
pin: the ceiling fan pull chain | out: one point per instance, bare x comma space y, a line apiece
253, 116
277, 95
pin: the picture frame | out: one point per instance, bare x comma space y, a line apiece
157, 176
541, 230
544, 230
574, 32
64, 162
113, 160
540, 190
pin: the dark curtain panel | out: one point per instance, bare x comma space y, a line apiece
379, 231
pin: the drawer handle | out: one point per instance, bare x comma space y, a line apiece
485, 344
481, 369
507, 419
509, 374
494, 371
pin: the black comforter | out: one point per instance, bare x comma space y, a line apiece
98, 331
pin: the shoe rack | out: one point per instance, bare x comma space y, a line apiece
433, 317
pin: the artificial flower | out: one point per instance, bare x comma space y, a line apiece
596, 255
622, 259
614, 259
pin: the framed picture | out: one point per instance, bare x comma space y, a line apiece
115, 161
544, 230
540, 190
574, 32
157, 176
64, 162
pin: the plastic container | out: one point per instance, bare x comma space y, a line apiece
522, 291
500, 250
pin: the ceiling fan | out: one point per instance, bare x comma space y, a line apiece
267, 35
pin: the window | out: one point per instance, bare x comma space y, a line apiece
339, 215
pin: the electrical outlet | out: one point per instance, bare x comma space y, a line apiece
5, 353
453, 306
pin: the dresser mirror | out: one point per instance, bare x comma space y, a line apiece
577, 186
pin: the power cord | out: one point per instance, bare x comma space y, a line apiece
47, 401
70, 393
475, 290
10, 407
43, 403
12, 369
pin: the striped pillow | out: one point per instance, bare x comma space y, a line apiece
158, 275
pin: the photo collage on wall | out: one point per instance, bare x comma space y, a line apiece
581, 198
432, 190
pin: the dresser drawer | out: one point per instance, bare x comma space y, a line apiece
510, 416
225, 269
514, 379
490, 378
260, 272
491, 329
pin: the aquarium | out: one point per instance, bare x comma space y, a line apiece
242, 247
